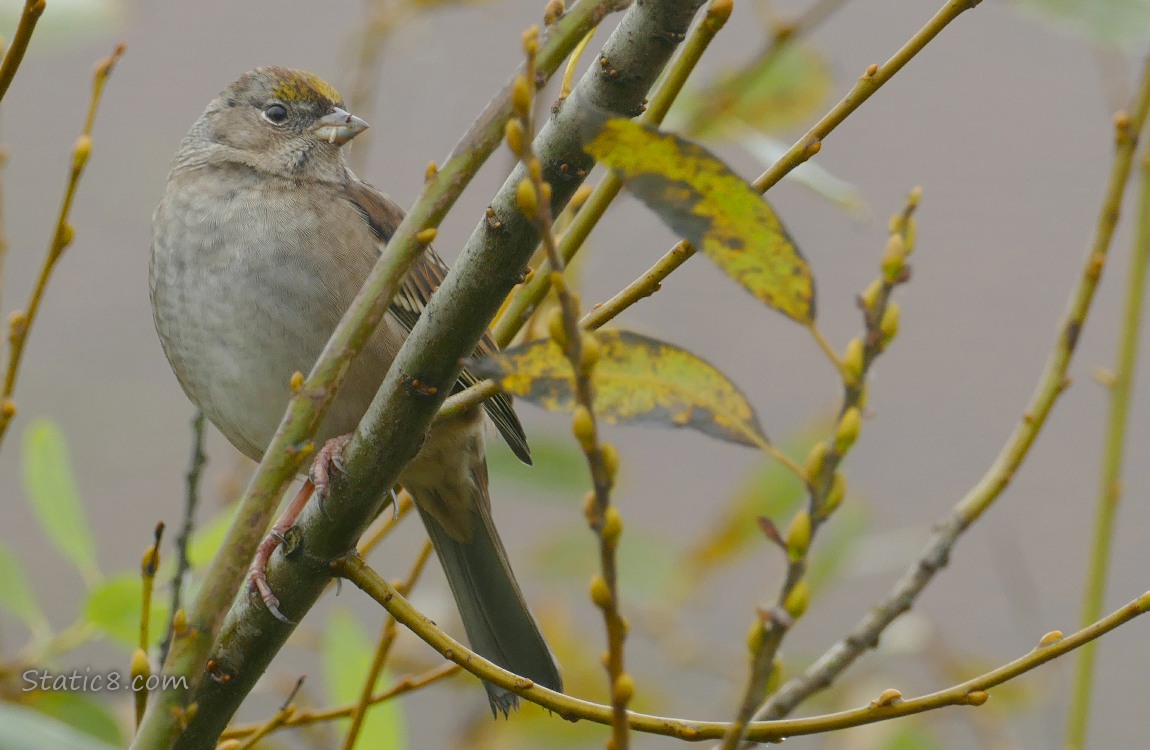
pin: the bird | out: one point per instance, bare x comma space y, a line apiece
260, 242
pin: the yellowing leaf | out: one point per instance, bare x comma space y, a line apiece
699, 197
638, 380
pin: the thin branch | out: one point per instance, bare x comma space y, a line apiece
889, 705
1110, 492
403, 686
191, 500
15, 53
1051, 384
20, 321
825, 484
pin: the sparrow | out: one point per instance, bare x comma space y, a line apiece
262, 239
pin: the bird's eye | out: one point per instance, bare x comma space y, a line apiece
275, 113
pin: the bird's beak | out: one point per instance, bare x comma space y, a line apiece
339, 127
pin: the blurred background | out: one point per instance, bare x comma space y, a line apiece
1006, 122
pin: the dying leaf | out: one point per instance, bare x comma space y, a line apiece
638, 380
700, 198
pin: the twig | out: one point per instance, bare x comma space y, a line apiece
581, 351
15, 53
888, 706
1051, 384
20, 321
826, 486
1110, 492
191, 500
141, 670
279, 719
403, 686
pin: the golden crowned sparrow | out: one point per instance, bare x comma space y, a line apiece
262, 239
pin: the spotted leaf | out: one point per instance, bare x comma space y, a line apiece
699, 197
637, 380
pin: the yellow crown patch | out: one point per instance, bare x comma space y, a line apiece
298, 85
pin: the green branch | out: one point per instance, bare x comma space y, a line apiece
1051, 384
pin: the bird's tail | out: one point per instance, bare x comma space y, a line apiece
499, 625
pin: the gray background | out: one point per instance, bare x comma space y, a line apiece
1006, 123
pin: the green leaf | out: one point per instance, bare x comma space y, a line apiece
206, 540
558, 466
699, 197
16, 593
347, 655
113, 607
837, 542
76, 709
1122, 24
649, 568
23, 728
54, 499
637, 380
774, 92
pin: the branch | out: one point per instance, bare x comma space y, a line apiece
15, 54
1053, 382
889, 705
1110, 491
20, 321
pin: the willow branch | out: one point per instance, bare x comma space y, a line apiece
1052, 383
888, 705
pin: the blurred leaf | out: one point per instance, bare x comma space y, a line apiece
700, 198
809, 174
638, 380
912, 737
774, 92
1123, 24
67, 23
54, 499
558, 465
206, 540
768, 490
837, 542
16, 593
91, 716
22, 728
649, 568
114, 608
347, 654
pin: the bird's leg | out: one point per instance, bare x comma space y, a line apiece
318, 483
